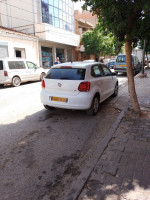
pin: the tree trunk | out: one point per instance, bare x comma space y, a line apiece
131, 85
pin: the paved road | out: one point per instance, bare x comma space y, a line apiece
41, 151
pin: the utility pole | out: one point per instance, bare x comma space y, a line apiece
143, 58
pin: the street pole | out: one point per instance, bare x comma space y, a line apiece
143, 58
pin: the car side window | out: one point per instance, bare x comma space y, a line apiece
106, 71
31, 65
16, 65
1, 65
96, 72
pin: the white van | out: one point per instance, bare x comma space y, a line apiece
16, 71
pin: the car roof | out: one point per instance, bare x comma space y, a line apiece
75, 64
14, 59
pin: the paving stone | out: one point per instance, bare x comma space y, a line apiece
111, 197
111, 168
101, 177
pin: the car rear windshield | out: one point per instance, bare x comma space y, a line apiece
1, 65
121, 58
16, 65
66, 74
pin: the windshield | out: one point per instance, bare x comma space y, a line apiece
121, 58
66, 74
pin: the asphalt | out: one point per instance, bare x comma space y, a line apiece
120, 166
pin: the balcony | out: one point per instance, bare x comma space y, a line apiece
50, 33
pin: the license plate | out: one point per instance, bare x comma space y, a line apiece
60, 99
123, 65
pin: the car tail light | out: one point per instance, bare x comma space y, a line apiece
84, 86
5, 73
114, 66
43, 84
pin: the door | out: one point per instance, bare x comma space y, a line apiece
3, 51
33, 71
108, 81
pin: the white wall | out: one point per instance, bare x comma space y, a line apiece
53, 34
17, 40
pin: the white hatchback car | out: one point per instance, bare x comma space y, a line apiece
78, 86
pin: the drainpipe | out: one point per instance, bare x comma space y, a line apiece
143, 58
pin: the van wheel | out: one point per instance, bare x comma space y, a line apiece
16, 81
42, 76
48, 107
134, 72
94, 107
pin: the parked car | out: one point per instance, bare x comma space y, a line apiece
111, 63
147, 60
16, 71
78, 86
89, 61
121, 67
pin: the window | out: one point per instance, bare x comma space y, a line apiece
16, 65
121, 58
18, 54
106, 71
96, 72
60, 9
1, 65
31, 65
47, 59
66, 74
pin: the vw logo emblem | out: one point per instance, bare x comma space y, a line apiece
59, 84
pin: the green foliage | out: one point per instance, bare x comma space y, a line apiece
126, 19
99, 41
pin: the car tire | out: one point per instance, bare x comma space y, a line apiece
48, 107
115, 90
94, 106
16, 81
116, 73
42, 76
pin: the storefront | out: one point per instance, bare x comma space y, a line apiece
47, 58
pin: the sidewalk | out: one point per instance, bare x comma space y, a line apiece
123, 170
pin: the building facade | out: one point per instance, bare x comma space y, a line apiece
51, 20
84, 21
15, 44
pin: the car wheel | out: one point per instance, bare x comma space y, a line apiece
116, 73
115, 90
42, 76
48, 107
134, 72
16, 81
94, 107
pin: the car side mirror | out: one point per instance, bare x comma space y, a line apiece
36, 67
114, 74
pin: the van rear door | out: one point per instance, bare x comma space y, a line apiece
2, 77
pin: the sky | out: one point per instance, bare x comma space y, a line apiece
78, 5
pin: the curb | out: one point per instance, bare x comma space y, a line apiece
79, 183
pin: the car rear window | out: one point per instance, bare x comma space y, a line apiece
1, 65
16, 65
121, 58
66, 74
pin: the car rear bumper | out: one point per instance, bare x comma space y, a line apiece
121, 70
82, 101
